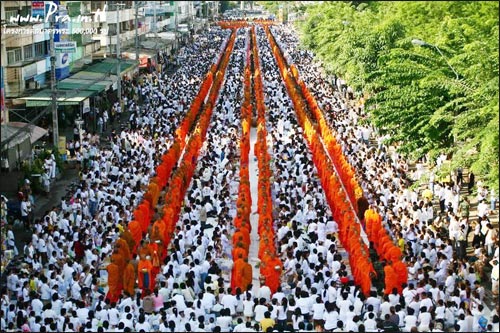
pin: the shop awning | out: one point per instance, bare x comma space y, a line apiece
109, 66
82, 84
66, 97
78, 87
11, 132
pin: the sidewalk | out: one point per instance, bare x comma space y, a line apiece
59, 188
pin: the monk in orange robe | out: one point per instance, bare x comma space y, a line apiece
127, 236
122, 247
118, 259
272, 272
391, 279
114, 283
236, 273
129, 277
155, 260
402, 273
246, 275
144, 250
237, 236
136, 231
394, 253
244, 237
239, 251
140, 215
155, 192
157, 237
265, 245
144, 269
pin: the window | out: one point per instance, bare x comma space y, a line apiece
112, 29
40, 49
28, 52
14, 56
11, 12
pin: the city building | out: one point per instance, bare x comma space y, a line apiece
25, 46
89, 38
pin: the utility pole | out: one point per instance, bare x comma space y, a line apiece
156, 30
53, 90
136, 30
176, 17
118, 55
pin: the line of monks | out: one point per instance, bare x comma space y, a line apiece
122, 274
396, 272
349, 229
344, 169
242, 272
271, 266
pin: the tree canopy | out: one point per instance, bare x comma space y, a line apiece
429, 72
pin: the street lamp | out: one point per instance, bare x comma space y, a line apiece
420, 42
79, 123
118, 53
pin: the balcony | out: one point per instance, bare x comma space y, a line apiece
125, 15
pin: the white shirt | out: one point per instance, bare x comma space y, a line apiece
264, 292
424, 318
259, 312
230, 301
410, 321
318, 311
330, 319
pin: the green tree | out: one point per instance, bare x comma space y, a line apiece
439, 96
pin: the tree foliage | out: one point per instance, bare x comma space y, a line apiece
412, 91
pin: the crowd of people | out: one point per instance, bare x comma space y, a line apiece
433, 242
62, 281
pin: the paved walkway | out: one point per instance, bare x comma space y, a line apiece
253, 170
62, 186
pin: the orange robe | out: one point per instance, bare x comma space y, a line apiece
144, 273
394, 253
122, 247
246, 276
391, 279
129, 277
402, 273
158, 233
140, 215
236, 274
114, 283
272, 274
237, 237
136, 231
145, 251
239, 252
127, 236
155, 192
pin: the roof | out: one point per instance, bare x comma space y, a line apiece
66, 97
11, 129
109, 66
81, 85
90, 85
